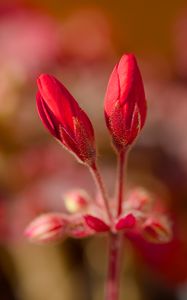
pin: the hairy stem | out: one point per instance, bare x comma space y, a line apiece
115, 240
120, 191
113, 275
97, 176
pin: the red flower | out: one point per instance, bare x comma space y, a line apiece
64, 118
125, 104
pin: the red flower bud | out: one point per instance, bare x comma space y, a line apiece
65, 120
157, 230
125, 104
139, 199
76, 201
46, 228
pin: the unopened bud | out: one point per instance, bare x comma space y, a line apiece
125, 104
76, 201
46, 228
157, 230
64, 118
139, 199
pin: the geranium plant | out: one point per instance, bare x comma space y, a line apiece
125, 113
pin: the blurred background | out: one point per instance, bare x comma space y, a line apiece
79, 42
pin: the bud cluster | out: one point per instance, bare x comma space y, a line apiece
125, 113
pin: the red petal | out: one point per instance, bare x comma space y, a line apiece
47, 116
96, 224
126, 222
58, 99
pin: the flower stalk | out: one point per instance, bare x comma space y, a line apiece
114, 261
122, 156
115, 240
99, 182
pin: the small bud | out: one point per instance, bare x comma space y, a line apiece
157, 230
77, 227
125, 105
139, 199
65, 120
126, 222
76, 201
96, 224
46, 228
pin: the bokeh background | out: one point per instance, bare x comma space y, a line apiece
79, 42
